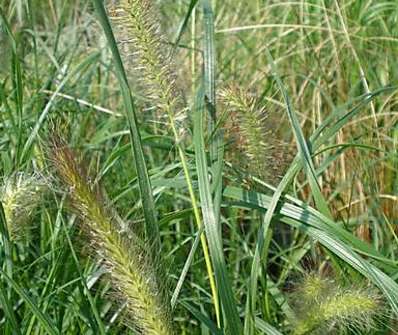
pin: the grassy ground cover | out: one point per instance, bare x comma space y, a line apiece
198, 167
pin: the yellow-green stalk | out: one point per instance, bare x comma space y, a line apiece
20, 194
143, 46
134, 275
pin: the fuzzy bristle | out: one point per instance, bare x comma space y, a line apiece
131, 268
147, 57
324, 307
253, 135
314, 288
20, 194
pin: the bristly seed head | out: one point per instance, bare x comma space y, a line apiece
20, 194
253, 135
325, 307
132, 270
143, 47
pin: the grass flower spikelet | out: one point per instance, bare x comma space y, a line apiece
325, 307
20, 195
253, 135
138, 33
132, 271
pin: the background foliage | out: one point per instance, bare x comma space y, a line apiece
289, 137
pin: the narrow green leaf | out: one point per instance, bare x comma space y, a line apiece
7, 247
99, 326
8, 311
304, 152
340, 245
35, 131
7, 244
184, 23
202, 318
186, 267
209, 58
43, 319
209, 83
151, 228
266, 327
17, 82
261, 238
212, 230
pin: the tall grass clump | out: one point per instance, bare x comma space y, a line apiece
197, 173
20, 194
133, 272
325, 306
149, 59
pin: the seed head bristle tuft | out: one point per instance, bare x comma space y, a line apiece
133, 272
325, 307
147, 55
20, 194
252, 133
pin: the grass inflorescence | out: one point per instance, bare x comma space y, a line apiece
325, 306
142, 44
134, 275
148, 59
20, 195
253, 135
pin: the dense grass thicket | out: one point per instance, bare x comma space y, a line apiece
198, 167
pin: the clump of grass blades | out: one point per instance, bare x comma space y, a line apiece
138, 31
325, 307
251, 133
20, 194
133, 272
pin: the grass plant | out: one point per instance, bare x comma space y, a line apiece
187, 113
